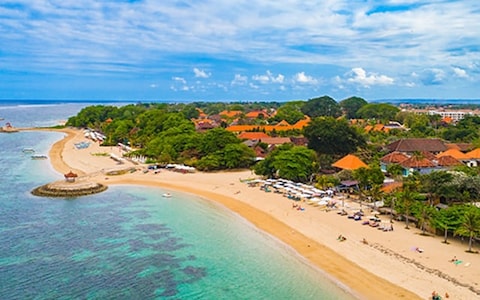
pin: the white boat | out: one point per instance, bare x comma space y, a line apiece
167, 195
39, 156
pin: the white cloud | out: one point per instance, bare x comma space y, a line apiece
253, 86
360, 76
109, 38
200, 73
432, 76
239, 80
269, 77
261, 78
180, 79
410, 84
304, 79
460, 72
180, 84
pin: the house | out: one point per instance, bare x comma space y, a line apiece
257, 114
281, 126
253, 135
453, 152
409, 146
424, 163
274, 141
419, 164
473, 157
230, 113
463, 147
392, 158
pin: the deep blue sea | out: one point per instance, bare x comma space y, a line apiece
129, 242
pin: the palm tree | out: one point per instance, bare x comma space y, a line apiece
406, 201
425, 216
470, 226
375, 193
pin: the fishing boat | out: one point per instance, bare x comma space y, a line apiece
28, 150
167, 195
39, 156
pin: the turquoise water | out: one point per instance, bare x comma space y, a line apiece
131, 243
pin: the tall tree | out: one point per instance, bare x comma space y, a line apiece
448, 219
405, 200
322, 106
470, 226
436, 184
378, 111
327, 135
425, 214
297, 164
351, 105
290, 112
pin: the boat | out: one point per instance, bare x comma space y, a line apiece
28, 150
39, 156
167, 195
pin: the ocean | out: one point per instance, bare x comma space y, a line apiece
130, 242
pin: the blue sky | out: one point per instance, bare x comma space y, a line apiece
239, 50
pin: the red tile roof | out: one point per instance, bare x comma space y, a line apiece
394, 157
448, 161
231, 113
276, 140
255, 114
455, 153
253, 135
474, 154
417, 162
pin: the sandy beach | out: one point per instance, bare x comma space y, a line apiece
387, 267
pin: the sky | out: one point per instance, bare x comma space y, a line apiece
239, 50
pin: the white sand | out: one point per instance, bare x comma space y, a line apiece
386, 268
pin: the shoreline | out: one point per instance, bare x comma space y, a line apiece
366, 270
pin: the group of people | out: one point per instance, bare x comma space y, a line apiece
297, 206
341, 238
436, 296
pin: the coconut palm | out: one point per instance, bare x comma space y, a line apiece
405, 202
470, 226
425, 216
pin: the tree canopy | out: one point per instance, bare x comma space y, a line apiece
378, 111
297, 163
350, 106
327, 135
322, 106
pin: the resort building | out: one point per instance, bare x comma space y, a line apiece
448, 115
409, 146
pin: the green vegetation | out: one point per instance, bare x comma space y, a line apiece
172, 133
